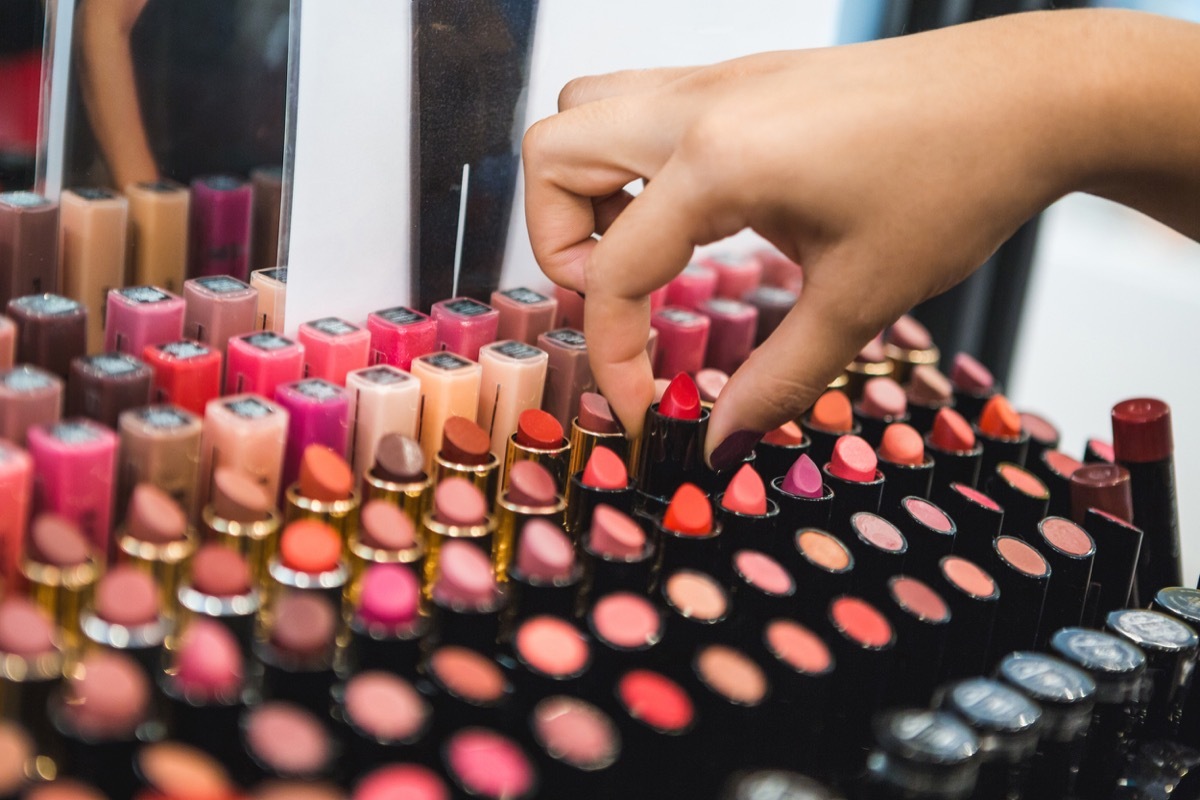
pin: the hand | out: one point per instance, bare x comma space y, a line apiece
890, 170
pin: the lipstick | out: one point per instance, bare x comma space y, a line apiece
773, 304
906, 467
577, 748
383, 400
1043, 434
247, 434
1070, 551
8, 343
219, 232
332, 348
467, 601
449, 388
688, 535
879, 550
1114, 567
102, 387
732, 328
465, 688
160, 445
617, 555
466, 453
1066, 696
973, 384
51, 331
917, 749
801, 670
736, 274
693, 287
1143, 443
257, 363
317, 416
830, 418
928, 391
74, 470
1170, 649
242, 517
697, 612
973, 597
595, 426
283, 740
532, 493
882, 403
1026, 614
272, 298
930, 533
381, 719
871, 362
977, 516
524, 314
185, 373
1000, 433
98, 713
16, 495
158, 230
28, 245
908, 345
205, 690
864, 644
18, 765
459, 512
733, 693
156, 538
298, 648
28, 396
853, 474
170, 768
483, 763
683, 340
778, 450
514, 375
60, 568
922, 619
386, 626
399, 335
710, 382
33, 656
549, 655
464, 325
538, 438
266, 183
218, 308
544, 576
823, 567
309, 561
659, 727
396, 779
746, 512
124, 617
1025, 498
626, 627
385, 535
672, 443
1055, 469
568, 373
138, 317
398, 476
761, 589
956, 453
220, 588
1118, 668
1101, 486
802, 496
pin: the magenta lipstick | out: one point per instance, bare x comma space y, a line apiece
802, 496
385, 625
400, 334
75, 465
317, 415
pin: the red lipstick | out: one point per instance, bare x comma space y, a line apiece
672, 444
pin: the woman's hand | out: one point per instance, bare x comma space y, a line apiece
890, 170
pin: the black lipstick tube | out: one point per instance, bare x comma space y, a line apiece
952, 467
672, 454
905, 480
850, 497
582, 501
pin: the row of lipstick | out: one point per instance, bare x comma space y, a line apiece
456, 647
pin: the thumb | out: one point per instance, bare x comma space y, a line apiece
787, 372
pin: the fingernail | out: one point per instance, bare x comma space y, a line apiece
734, 449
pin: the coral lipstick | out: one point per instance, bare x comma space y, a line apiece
905, 464
603, 480
830, 417
956, 453
672, 443
779, 449
1000, 434
689, 536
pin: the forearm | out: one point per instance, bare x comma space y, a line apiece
109, 92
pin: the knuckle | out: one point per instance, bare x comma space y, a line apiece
535, 145
572, 92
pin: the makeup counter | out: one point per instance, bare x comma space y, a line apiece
415, 555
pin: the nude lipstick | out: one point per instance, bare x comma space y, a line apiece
160, 445
879, 550
467, 601
28, 396
246, 434
298, 648
449, 388
973, 597
1024, 577
973, 384
597, 425
928, 391
568, 374
931, 535
385, 535
672, 450
459, 512
158, 231
882, 404
271, 285
532, 493
218, 308
383, 400
871, 362
157, 538
922, 618
381, 719
60, 568
544, 575
1025, 499
124, 616
617, 555
1070, 552
221, 589
33, 653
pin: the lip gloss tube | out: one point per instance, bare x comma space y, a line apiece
736, 275
773, 304
102, 386
219, 237
332, 348
693, 287
383, 400
272, 298
91, 250
140, 316
524, 314
732, 327
246, 433
317, 414
16, 494
75, 465
28, 245
160, 445
186, 373
570, 306
8, 343
568, 373
158, 233
267, 186
399, 334
513, 375
28, 396
465, 325
218, 308
258, 363
51, 331
682, 341
449, 388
